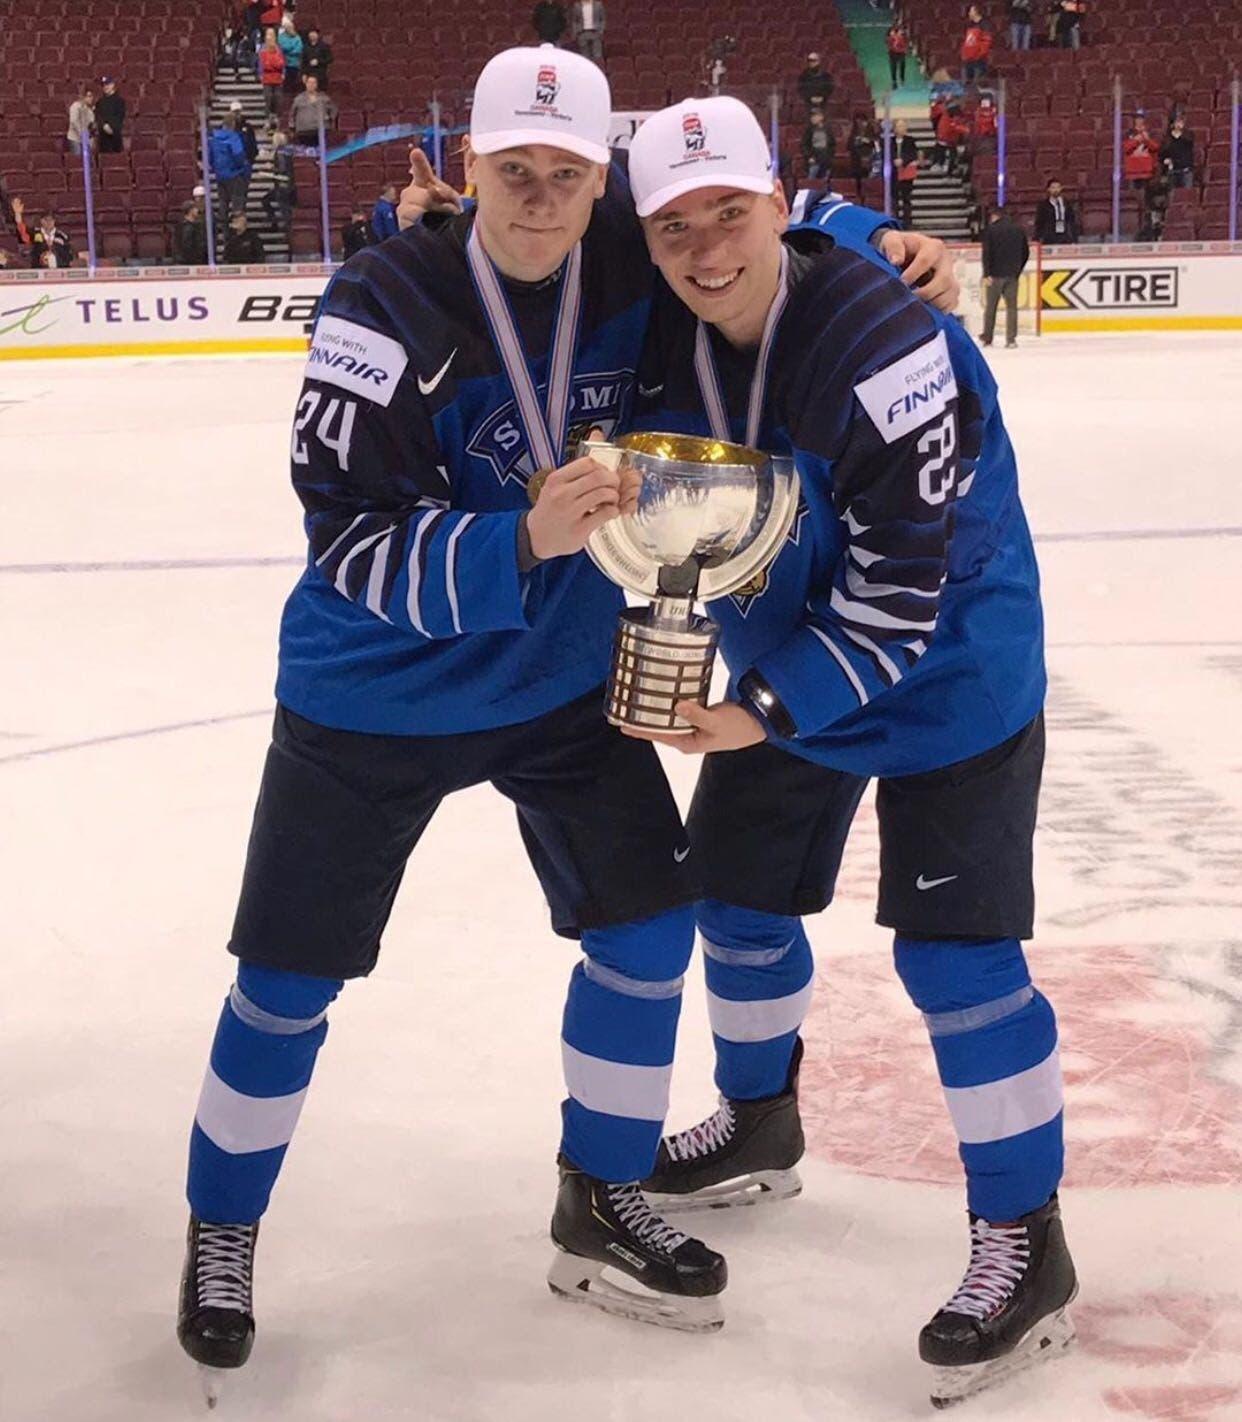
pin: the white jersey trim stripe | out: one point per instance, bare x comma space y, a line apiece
411, 601
844, 663
873, 617
450, 568
860, 587
338, 540
375, 583
891, 669
360, 547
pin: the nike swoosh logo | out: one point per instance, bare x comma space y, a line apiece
425, 387
679, 855
921, 883
654, 390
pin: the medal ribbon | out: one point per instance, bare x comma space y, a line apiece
546, 429
709, 377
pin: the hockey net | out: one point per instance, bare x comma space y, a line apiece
968, 263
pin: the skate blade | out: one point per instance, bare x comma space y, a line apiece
211, 1380
1050, 1337
578, 1280
761, 1187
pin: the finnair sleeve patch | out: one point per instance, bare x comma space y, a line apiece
905, 395
356, 359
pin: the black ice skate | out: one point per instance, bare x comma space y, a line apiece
597, 1225
215, 1323
1010, 1310
744, 1154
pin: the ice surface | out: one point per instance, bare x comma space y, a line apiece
148, 538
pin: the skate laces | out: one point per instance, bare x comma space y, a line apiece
704, 1138
225, 1256
999, 1255
637, 1215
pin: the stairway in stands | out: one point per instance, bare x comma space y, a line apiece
246, 89
941, 203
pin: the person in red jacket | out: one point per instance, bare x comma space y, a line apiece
898, 48
1139, 154
976, 46
271, 73
952, 131
984, 126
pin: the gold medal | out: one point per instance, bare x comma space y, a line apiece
534, 485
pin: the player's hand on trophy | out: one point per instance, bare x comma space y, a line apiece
726, 726
425, 193
573, 502
925, 264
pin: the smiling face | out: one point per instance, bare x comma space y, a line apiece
533, 205
720, 251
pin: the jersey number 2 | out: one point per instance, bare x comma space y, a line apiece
941, 444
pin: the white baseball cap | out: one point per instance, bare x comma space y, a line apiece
700, 143
541, 95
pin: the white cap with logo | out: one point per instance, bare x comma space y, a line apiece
700, 143
541, 95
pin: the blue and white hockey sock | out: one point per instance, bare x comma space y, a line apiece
760, 976
269, 1034
995, 1040
617, 1041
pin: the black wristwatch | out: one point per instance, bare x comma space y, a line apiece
759, 698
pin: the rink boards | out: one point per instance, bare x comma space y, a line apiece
159, 311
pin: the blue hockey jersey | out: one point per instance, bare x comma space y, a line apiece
900, 624
413, 616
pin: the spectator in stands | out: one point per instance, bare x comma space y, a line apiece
898, 47
1020, 23
356, 233
250, 139
983, 127
1068, 23
1005, 254
1155, 208
190, 242
862, 149
549, 21
976, 46
384, 214
818, 146
281, 198
1177, 154
271, 74
17, 208
904, 160
306, 111
110, 119
952, 131
1140, 154
271, 13
49, 245
316, 58
243, 247
814, 83
81, 120
291, 47
1056, 222
943, 88
227, 154
588, 28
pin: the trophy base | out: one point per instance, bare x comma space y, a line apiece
655, 667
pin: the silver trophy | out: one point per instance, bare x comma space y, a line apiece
711, 517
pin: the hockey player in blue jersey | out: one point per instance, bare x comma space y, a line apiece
446, 633
897, 635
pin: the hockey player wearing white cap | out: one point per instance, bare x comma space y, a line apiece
897, 635
446, 633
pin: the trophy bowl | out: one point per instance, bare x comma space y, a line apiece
711, 515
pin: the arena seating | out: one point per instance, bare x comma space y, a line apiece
1060, 102
162, 57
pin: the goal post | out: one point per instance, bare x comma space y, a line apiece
968, 264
